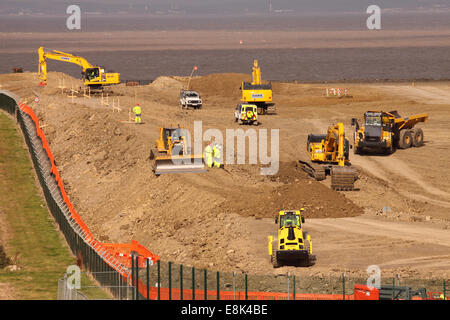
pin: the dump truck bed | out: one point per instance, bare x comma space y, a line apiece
410, 122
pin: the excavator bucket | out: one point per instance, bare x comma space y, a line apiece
177, 164
343, 178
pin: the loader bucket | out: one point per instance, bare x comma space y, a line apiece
293, 257
178, 164
343, 178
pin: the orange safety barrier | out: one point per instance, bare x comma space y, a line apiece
230, 295
113, 254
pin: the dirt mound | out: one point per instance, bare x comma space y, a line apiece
166, 83
293, 189
224, 84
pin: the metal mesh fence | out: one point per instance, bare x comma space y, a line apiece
90, 258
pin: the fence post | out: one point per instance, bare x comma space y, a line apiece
246, 288
132, 278
393, 287
444, 290
170, 280
193, 283
288, 278
137, 276
218, 285
181, 282
148, 279
343, 286
293, 288
234, 285
205, 283
159, 279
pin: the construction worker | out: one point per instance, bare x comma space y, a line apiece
137, 113
209, 155
216, 155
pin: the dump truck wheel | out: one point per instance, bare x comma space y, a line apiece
418, 138
389, 150
405, 140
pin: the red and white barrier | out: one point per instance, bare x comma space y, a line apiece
337, 92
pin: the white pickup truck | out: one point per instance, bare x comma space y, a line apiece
189, 98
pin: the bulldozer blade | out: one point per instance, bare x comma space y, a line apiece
179, 165
343, 178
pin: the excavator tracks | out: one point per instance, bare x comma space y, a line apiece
342, 178
316, 171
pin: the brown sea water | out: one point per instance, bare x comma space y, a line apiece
424, 57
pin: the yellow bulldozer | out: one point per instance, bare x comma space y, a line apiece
291, 245
383, 132
328, 154
172, 153
257, 93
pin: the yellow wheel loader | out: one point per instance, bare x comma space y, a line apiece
383, 132
257, 93
328, 154
291, 245
172, 153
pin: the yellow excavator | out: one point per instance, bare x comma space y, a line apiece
172, 153
257, 93
94, 77
329, 155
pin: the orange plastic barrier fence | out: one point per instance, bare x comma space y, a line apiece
230, 295
113, 254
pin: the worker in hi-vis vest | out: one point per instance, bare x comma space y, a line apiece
137, 113
209, 155
216, 155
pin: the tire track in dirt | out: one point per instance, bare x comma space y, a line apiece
439, 261
395, 230
423, 94
397, 166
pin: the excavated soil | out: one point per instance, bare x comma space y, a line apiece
221, 219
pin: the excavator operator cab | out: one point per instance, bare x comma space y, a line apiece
92, 73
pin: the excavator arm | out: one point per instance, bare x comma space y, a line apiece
327, 156
341, 138
256, 73
59, 56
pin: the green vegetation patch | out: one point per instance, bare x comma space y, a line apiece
38, 252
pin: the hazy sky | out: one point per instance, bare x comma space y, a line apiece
215, 6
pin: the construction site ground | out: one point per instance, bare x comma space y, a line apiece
398, 218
